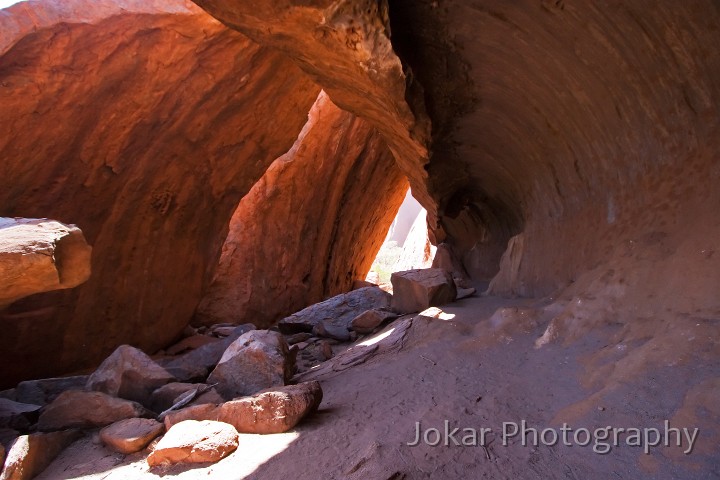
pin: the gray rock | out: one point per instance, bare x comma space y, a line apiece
45, 390
17, 415
336, 313
257, 360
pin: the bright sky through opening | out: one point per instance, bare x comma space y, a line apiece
7, 3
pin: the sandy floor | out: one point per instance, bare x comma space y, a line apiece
460, 371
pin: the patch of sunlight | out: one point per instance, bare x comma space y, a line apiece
434, 312
376, 339
7, 3
86, 461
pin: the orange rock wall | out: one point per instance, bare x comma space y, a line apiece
310, 226
145, 129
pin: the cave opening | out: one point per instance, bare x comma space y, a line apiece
406, 245
7, 3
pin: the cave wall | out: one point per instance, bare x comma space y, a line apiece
580, 125
310, 226
144, 124
586, 126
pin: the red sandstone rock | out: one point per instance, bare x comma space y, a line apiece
144, 123
275, 410
257, 360
75, 409
39, 256
417, 290
31, 454
342, 224
195, 442
131, 435
129, 373
345, 47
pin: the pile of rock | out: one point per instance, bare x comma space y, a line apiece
134, 399
203, 392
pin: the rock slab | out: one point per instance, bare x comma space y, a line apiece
195, 442
336, 313
131, 435
417, 290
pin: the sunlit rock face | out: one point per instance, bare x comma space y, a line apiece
144, 124
344, 45
310, 226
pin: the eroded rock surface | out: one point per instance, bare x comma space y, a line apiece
320, 212
144, 123
38, 256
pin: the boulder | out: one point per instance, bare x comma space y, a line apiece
195, 365
417, 290
257, 360
336, 313
40, 255
275, 410
45, 390
130, 374
77, 409
17, 415
368, 321
131, 435
31, 454
193, 441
